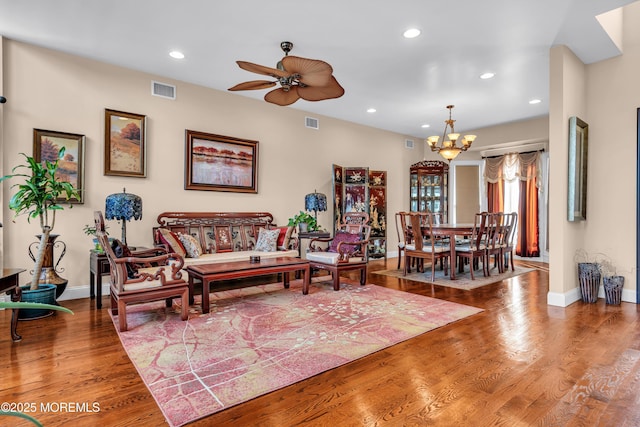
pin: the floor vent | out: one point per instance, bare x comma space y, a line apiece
408, 143
312, 123
163, 90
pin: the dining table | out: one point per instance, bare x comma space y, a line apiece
451, 230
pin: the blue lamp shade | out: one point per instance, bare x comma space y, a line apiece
315, 202
123, 207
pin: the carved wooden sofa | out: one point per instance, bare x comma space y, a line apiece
222, 236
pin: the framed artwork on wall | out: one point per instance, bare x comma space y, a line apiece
124, 144
46, 147
220, 163
578, 150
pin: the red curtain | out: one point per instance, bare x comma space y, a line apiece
495, 194
528, 233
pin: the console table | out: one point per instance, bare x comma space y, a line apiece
310, 235
10, 285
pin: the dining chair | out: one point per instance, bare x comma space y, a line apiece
495, 239
403, 237
510, 223
474, 249
142, 279
425, 245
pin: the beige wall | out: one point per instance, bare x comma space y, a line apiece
466, 191
606, 96
55, 91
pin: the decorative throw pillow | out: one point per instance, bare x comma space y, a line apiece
343, 236
172, 241
191, 245
267, 240
284, 238
122, 251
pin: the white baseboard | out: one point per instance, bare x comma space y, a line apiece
79, 292
568, 298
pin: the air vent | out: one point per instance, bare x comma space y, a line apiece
408, 143
312, 123
163, 90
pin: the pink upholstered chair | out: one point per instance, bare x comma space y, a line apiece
347, 250
153, 278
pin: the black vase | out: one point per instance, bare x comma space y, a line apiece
49, 272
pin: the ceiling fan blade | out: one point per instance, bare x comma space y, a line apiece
313, 72
253, 85
261, 69
281, 97
314, 93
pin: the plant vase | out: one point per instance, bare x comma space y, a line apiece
303, 226
589, 277
49, 270
45, 294
613, 289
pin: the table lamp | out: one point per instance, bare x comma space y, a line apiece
315, 202
123, 207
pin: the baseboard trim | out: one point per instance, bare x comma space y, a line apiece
568, 298
80, 292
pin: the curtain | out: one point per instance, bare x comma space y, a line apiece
493, 172
526, 168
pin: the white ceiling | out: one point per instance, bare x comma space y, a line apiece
408, 81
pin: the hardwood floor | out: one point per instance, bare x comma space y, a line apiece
518, 363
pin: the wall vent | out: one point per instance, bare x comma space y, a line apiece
163, 90
312, 123
408, 143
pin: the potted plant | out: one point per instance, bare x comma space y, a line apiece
90, 230
39, 196
304, 221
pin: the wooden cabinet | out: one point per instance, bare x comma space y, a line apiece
429, 187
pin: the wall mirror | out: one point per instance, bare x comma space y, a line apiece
577, 191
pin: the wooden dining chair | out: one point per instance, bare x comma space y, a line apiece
426, 245
142, 279
496, 240
403, 237
474, 249
510, 224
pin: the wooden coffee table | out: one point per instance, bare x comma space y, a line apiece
208, 273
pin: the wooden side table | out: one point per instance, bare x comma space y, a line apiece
9, 284
98, 267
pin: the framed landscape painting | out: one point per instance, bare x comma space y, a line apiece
46, 147
124, 144
220, 163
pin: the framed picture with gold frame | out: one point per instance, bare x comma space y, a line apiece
124, 144
220, 163
577, 179
46, 147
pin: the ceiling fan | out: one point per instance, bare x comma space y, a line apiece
309, 79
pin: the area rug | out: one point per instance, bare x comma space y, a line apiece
262, 338
462, 280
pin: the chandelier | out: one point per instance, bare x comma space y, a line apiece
449, 150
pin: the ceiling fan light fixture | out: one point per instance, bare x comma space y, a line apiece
449, 150
309, 79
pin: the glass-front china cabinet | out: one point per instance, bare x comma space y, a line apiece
429, 186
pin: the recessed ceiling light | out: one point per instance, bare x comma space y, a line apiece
176, 54
426, 126
487, 76
535, 101
411, 33
371, 110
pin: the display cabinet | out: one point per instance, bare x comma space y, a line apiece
429, 187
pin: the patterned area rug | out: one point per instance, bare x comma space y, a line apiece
262, 338
462, 280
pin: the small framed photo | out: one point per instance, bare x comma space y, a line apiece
124, 144
220, 163
46, 147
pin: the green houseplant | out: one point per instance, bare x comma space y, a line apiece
39, 196
305, 221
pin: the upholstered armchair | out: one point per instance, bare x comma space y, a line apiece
136, 278
347, 250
